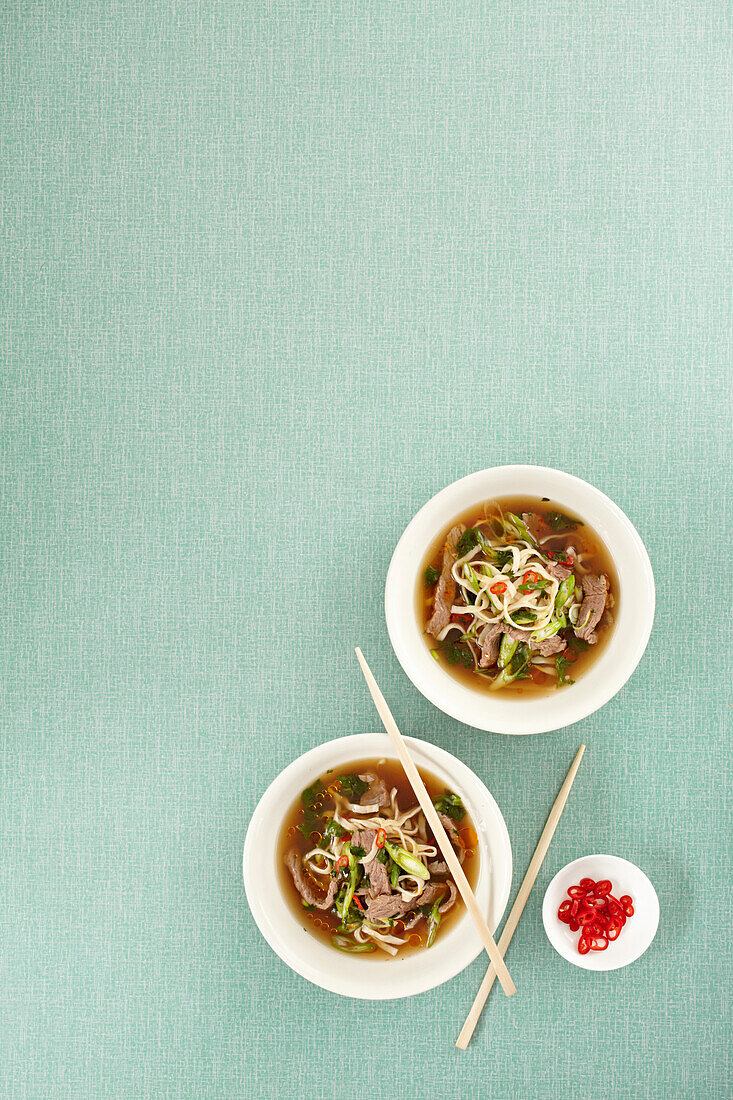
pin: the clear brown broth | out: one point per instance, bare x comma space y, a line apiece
324, 924
584, 539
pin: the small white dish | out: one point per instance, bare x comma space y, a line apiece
366, 977
503, 712
639, 930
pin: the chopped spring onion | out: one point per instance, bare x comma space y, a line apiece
343, 909
522, 528
565, 593
507, 650
433, 922
551, 629
407, 861
343, 943
514, 669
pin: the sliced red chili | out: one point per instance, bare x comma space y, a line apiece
587, 884
613, 929
499, 588
342, 861
583, 946
561, 557
576, 892
603, 888
381, 838
530, 575
358, 904
599, 943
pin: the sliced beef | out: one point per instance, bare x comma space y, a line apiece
559, 572
595, 592
555, 644
378, 878
450, 827
445, 592
450, 902
438, 867
450, 896
490, 641
535, 525
305, 886
387, 906
376, 793
383, 908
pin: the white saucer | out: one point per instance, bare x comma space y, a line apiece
639, 930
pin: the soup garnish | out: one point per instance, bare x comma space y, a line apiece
364, 864
515, 595
591, 908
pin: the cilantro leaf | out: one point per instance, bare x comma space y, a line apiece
333, 829
561, 666
558, 521
352, 786
312, 822
451, 805
312, 796
466, 542
456, 654
431, 575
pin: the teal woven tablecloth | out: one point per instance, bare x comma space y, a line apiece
273, 274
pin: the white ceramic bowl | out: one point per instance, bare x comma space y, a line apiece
639, 930
504, 712
367, 977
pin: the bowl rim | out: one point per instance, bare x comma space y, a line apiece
609, 865
604, 678
320, 964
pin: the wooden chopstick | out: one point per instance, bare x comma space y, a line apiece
439, 832
524, 892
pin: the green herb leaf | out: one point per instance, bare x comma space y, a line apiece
451, 805
383, 857
313, 795
312, 822
466, 542
333, 830
558, 521
431, 575
503, 557
358, 851
352, 786
578, 644
561, 666
308, 908
519, 660
456, 654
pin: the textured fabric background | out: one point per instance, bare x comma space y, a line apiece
273, 274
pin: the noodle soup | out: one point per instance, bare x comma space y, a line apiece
360, 865
516, 595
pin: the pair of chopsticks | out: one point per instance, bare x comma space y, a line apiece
497, 969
